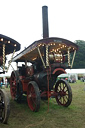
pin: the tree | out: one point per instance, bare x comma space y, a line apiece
80, 55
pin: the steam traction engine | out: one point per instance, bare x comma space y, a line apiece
7, 46
48, 60
49, 57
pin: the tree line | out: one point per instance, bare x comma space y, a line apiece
79, 61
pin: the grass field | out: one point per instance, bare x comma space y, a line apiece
57, 117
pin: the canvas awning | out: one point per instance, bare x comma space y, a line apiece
56, 45
10, 45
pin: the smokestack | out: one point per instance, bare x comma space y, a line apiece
45, 21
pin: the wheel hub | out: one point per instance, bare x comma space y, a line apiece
62, 93
29, 96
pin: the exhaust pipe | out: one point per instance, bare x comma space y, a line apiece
45, 21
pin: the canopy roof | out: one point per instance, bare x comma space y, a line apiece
56, 45
10, 44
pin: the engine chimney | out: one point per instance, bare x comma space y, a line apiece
45, 21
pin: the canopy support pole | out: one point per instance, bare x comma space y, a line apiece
3, 57
10, 60
73, 58
41, 57
69, 57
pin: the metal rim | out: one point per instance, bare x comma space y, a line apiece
33, 96
13, 85
4, 106
64, 93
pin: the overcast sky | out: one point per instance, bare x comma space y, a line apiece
22, 19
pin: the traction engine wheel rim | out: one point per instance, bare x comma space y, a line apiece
64, 93
13, 85
4, 106
33, 96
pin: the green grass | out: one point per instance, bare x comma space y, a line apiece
57, 117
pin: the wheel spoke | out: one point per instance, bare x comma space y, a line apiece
34, 101
33, 96
60, 86
64, 94
13, 85
59, 97
64, 100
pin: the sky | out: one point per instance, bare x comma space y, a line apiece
22, 19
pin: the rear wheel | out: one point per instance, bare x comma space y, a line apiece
13, 85
16, 87
64, 93
33, 96
4, 106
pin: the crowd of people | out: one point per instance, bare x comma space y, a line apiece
4, 83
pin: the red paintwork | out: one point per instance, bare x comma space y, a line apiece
58, 71
1, 60
51, 93
24, 84
31, 97
13, 86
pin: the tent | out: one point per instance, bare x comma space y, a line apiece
75, 72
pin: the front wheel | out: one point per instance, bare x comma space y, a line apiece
4, 106
64, 93
33, 96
